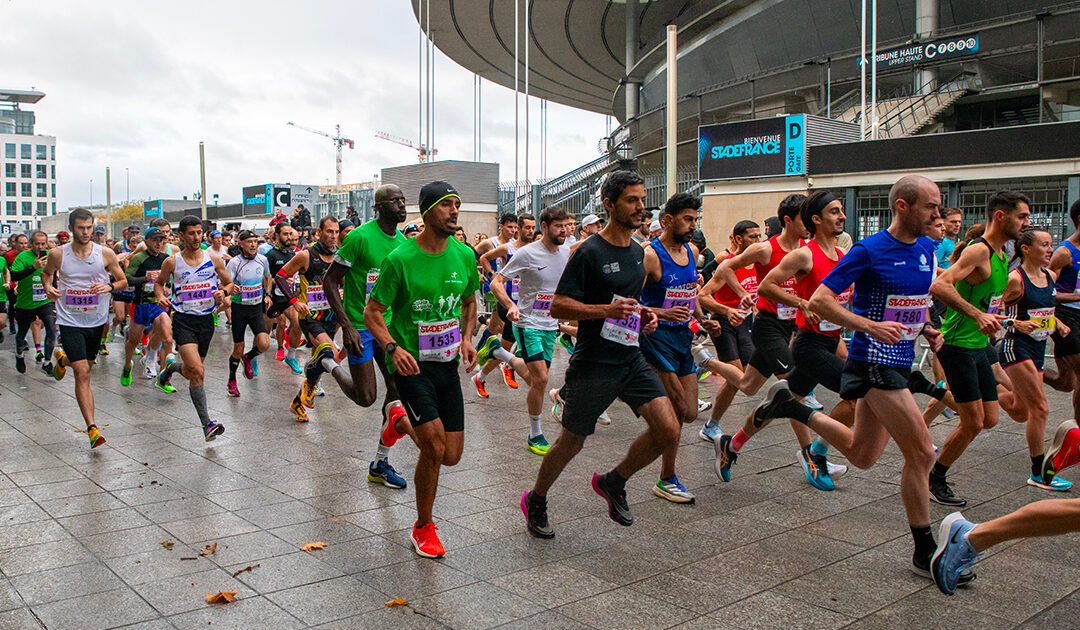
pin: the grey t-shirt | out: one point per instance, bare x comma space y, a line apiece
537, 271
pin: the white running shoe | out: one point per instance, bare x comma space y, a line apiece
604, 419
703, 405
811, 401
836, 470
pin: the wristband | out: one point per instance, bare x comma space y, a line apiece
293, 301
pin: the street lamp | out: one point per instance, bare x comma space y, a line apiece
91, 192
127, 177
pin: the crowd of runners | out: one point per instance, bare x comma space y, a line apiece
645, 310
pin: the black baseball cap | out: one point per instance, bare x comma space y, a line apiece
410, 228
431, 194
245, 235
154, 232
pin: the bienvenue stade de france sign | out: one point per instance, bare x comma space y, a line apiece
922, 52
752, 148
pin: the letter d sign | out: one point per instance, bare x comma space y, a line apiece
794, 130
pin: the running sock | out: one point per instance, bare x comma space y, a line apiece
198, 398
615, 480
924, 541
233, 364
1036, 466
251, 354
702, 356
939, 470
795, 410
291, 353
534, 426
738, 440
819, 447
502, 354
382, 452
919, 384
329, 364
174, 367
480, 376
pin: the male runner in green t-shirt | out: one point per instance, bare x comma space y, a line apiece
972, 288
31, 302
358, 262
430, 282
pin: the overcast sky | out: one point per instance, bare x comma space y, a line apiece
137, 85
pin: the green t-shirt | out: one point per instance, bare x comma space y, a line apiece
30, 293
3, 292
959, 329
424, 288
363, 252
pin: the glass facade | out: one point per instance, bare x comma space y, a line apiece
9, 150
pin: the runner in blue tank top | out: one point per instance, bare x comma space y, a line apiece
892, 273
671, 288
1066, 263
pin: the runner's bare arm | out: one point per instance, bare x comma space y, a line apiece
164, 275
756, 253
565, 307
120, 281
52, 265
1061, 259
971, 258
824, 303
497, 253
498, 288
794, 263
375, 322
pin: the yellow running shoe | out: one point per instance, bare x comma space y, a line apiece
298, 410
59, 369
307, 395
96, 439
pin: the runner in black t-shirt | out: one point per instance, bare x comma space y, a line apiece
600, 288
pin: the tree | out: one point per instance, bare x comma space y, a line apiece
126, 213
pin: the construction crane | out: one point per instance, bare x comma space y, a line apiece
422, 151
338, 142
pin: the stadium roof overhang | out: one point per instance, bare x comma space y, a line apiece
20, 96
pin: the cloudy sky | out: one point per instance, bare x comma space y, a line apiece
137, 85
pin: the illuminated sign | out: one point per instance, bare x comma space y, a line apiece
752, 148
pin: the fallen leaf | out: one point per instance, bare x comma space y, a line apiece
221, 597
393, 603
312, 546
209, 550
168, 544
337, 520
247, 568
191, 558
140, 485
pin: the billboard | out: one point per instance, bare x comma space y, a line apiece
152, 209
920, 52
767, 147
268, 198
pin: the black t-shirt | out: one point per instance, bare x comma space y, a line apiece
139, 272
277, 258
596, 273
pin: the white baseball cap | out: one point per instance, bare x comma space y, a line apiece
654, 226
589, 220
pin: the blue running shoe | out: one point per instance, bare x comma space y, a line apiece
816, 469
954, 554
672, 490
382, 472
710, 431
1057, 484
293, 364
725, 457
255, 367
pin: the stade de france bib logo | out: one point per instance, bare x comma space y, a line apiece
922, 263
611, 267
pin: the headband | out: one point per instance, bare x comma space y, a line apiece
819, 204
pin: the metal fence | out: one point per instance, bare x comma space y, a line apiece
337, 204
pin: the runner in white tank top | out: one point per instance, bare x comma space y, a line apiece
84, 272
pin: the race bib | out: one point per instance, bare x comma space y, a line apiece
151, 278
251, 295
680, 296
294, 284
541, 306
1044, 317
909, 310
38, 292
196, 296
995, 305
316, 298
843, 300
514, 290
623, 331
784, 311
81, 301
439, 341
372, 276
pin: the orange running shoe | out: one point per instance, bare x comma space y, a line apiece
298, 410
508, 376
480, 388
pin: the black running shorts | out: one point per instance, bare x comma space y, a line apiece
246, 316
197, 329
80, 344
772, 339
433, 394
969, 373
1070, 345
815, 362
591, 388
314, 327
859, 377
734, 342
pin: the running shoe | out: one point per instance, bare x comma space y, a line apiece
39, 355
307, 394
703, 405
314, 368
163, 378
319, 391
484, 353
816, 469
725, 457
481, 389
95, 436
538, 445
948, 413
536, 520
836, 471
954, 555
294, 365
151, 371
557, 404
382, 472
1055, 483
232, 389
508, 376
103, 350
618, 509
1064, 451
941, 492
280, 356
710, 431
59, 369
215, 320
672, 490
254, 367
298, 409
426, 542
812, 402
778, 396
603, 418
249, 371
564, 339
20, 364
138, 350
394, 412
211, 430
47, 368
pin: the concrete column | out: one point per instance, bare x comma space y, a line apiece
633, 87
926, 23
